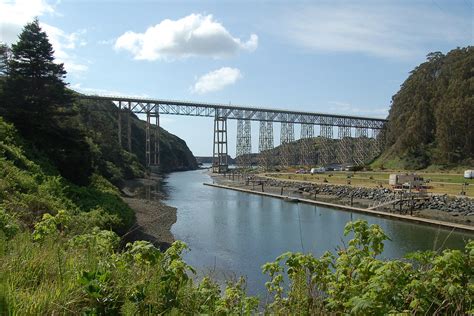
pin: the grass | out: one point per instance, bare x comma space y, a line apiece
440, 183
59, 256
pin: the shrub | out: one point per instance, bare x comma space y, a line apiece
8, 225
51, 225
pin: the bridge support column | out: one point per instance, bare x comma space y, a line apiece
344, 148
129, 127
156, 153
287, 135
265, 143
361, 153
219, 163
155, 132
147, 140
377, 142
307, 144
244, 143
326, 155
119, 123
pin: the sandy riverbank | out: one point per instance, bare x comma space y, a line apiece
290, 188
153, 218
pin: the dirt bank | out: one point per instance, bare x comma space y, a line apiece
153, 218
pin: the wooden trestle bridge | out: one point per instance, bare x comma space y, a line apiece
358, 137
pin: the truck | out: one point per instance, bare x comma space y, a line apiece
469, 174
406, 181
317, 170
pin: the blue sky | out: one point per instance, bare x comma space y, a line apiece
346, 57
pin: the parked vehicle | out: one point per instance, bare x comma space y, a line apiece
317, 170
469, 174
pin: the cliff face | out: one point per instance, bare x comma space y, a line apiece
101, 119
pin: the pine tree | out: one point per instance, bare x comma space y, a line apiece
4, 56
35, 82
431, 117
36, 100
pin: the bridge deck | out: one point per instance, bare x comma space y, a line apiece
144, 106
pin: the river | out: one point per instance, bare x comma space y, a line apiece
233, 234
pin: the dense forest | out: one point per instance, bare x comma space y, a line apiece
431, 119
67, 130
62, 228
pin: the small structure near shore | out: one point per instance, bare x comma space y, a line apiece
412, 181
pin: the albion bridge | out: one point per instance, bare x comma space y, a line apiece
343, 139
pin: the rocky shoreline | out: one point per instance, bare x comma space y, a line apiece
153, 218
438, 207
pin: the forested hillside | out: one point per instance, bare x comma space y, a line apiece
62, 225
78, 137
431, 120
100, 120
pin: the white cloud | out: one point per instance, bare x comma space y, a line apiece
63, 43
106, 42
15, 14
383, 30
193, 35
104, 92
216, 80
338, 107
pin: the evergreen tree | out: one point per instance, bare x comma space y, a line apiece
431, 117
36, 100
4, 56
34, 86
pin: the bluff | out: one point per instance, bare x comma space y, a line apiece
431, 119
101, 120
71, 136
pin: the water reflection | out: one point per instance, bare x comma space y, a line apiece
234, 233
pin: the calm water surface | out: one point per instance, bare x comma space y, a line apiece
232, 233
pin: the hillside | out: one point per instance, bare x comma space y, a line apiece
84, 135
100, 118
75, 138
295, 155
64, 226
431, 118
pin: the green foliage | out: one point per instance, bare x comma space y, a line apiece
65, 132
4, 57
101, 194
430, 120
98, 287
35, 83
235, 301
142, 252
51, 225
90, 274
8, 225
101, 119
103, 241
60, 253
356, 282
28, 192
34, 97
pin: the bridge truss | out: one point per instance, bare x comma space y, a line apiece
353, 146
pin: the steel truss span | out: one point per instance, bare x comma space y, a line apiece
144, 106
347, 150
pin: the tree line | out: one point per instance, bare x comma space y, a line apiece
431, 119
78, 136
